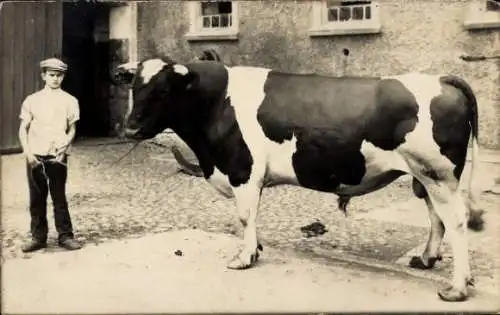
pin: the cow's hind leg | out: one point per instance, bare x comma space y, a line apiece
432, 251
447, 201
247, 202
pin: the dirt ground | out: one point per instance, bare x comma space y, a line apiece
145, 275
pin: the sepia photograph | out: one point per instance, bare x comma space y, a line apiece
250, 156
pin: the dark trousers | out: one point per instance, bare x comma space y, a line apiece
44, 178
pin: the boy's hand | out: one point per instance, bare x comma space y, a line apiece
62, 150
32, 160
59, 158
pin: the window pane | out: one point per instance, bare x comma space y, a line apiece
208, 8
211, 7
215, 21
225, 7
224, 20
357, 13
345, 13
333, 15
206, 21
493, 5
368, 13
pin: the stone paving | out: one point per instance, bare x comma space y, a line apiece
145, 193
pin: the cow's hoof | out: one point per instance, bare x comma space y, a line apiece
243, 260
451, 294
416, 262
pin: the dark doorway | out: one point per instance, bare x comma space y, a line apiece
85, 23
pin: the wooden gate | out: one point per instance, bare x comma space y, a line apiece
29, 32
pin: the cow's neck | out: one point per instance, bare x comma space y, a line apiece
212, 133
193, 132
195, 140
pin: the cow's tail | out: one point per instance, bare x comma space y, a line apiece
475, 218
187, 167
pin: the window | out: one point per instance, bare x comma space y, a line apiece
355, 10
216, 20
493, 5
482, 14
216, 14
337, 17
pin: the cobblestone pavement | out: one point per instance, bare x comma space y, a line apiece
145, 193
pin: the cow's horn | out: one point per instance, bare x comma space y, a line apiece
180, 69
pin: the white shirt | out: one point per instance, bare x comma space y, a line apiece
49, 113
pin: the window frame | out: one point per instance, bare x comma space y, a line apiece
320, 25
197, 32
477, 17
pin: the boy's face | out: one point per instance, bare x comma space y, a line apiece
53, 78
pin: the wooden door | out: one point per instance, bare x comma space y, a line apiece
29, 32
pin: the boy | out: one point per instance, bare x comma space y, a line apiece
47, 129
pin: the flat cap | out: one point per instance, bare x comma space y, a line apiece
53, 64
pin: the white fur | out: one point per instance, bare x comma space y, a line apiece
444, 194
181, 69
221, 183
420, 140
150, 68
378, 160
130, 66
279, 161
246, 89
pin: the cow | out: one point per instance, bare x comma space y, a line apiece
349, 136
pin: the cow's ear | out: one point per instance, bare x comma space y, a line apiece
190, 79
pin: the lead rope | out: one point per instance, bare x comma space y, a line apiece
126, 154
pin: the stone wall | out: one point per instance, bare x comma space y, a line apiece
416, 36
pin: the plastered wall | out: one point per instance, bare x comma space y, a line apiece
417, 35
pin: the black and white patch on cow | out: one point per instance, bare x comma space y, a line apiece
251, 126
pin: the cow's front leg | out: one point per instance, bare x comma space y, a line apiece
247, 203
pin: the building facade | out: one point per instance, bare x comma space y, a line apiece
380, 38
334, 37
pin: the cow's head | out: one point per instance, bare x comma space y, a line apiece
159, 87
